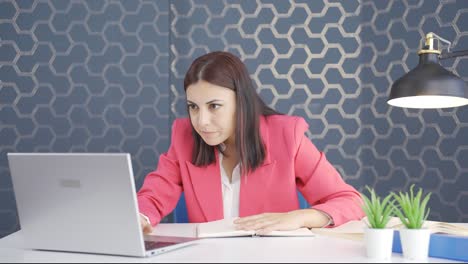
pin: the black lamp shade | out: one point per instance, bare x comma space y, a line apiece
429, 85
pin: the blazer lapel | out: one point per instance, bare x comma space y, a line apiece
254, 186
206, 182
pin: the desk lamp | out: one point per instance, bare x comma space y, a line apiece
429, 85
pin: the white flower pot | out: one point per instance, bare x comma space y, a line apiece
378, 243
415, 243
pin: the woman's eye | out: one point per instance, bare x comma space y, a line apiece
192, 107
214, 106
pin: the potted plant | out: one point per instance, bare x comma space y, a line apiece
413, 211
378, 238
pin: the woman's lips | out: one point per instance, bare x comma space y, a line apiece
208, 134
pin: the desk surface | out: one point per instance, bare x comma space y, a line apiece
244, 249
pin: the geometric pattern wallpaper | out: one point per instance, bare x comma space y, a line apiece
106, 76
82, 76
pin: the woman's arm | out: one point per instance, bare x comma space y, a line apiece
333, 201
267, 222
162, 188
321, 184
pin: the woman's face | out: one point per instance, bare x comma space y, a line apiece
212, 111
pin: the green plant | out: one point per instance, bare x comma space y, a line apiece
411, 209
378, 212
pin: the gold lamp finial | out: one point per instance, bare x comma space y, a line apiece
429, 44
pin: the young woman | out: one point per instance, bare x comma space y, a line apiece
236, 157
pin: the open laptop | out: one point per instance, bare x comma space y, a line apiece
82, 202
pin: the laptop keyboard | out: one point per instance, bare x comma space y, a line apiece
150, 245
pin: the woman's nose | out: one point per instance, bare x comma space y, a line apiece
203, 118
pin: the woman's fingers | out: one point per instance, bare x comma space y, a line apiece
265, 223
147, 229
251, 218
145, 226
257, 222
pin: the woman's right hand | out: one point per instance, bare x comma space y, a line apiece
145, 225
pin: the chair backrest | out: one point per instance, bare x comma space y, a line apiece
302, 201
180, 212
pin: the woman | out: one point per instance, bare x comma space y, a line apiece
236, 157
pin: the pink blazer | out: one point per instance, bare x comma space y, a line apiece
292, 163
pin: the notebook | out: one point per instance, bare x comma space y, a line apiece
82, 202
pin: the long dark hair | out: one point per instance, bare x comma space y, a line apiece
226, 70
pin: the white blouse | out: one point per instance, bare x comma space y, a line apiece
230, 190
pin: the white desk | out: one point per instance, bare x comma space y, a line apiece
245, 249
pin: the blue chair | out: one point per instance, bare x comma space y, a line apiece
180, 212
302, 201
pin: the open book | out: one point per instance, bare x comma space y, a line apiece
225, 228
353, 230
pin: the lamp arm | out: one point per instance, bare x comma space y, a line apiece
453, 54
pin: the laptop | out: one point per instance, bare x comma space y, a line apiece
82, 202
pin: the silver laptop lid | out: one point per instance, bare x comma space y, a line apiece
77, 202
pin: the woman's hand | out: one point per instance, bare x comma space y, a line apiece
265, 223
268, 222
145, 225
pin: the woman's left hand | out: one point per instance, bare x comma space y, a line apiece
267, 222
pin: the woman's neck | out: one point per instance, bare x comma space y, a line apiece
229, 150
230, 147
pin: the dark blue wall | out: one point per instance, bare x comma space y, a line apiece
106, 76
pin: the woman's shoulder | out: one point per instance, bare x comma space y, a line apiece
284, 128
182, 122
181, 127
286, 121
